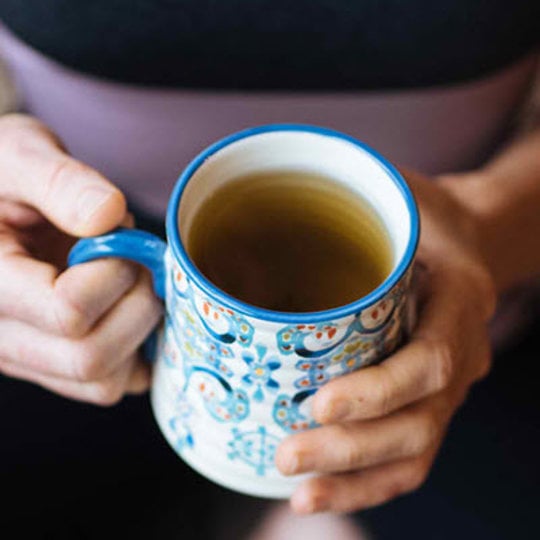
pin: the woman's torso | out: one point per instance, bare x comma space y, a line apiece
137, 88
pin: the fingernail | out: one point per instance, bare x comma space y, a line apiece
338, 410
91, 200
291, 465
304, 502
305, 463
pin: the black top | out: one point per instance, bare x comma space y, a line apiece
280, 44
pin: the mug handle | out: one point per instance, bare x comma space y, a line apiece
132, 244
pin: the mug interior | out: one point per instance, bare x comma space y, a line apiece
306, 149
338, 159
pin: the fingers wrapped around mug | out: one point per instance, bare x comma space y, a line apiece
363, 488
382, 425
99, 366
356, 445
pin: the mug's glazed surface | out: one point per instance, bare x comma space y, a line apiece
228, 388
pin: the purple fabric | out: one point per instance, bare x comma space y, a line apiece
141, 138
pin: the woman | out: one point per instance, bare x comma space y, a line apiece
136, 89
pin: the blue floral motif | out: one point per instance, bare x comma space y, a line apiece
216, 354
171, 356
319, 340
234, 408
188, 347
180, 423
260, 371
196, 345
400, 289
312, 340
224, 403
222, 324
286, 412
188, 337
352, 355
315, 372
217, 322
374, 318
256, 448
180, 282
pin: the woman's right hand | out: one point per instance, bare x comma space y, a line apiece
75, 331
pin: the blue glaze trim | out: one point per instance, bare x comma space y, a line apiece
138, 246
225, 299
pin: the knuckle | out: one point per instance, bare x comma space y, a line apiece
7, 120
20, 350
125, 272
408, 480
148, 294
382, 394
425, 435
107, 393
320, 491
13, 127
416, 478
297, 448
393, 489
13, 142
88, 363
58, 174
352, 455
351, 458
151, 307
26, 139
443, 363
155, 307
69, 319
487, 290
12, 370
32, 355
17, 119
289, 447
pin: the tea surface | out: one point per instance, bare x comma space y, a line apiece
290, 241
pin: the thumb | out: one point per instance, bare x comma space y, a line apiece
36, 170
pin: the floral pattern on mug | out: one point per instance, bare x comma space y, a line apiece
312, 339
288, 415
260, 371
231, 376
256, 448
180, 423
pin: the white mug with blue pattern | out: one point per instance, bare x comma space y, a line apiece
231, 380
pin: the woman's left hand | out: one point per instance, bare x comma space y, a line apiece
383, 425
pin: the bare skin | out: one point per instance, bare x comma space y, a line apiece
56, 325
382, 426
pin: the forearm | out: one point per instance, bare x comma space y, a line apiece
504, 198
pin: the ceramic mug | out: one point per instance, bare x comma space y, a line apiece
230, 380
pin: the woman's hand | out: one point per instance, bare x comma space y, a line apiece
382, 426
75, 331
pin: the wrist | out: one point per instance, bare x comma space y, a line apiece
478, 198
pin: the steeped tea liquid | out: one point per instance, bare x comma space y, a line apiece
290, 241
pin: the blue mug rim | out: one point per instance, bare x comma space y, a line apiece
225, 299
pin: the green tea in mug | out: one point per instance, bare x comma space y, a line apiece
292, 241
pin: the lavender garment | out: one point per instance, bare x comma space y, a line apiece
141, 138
